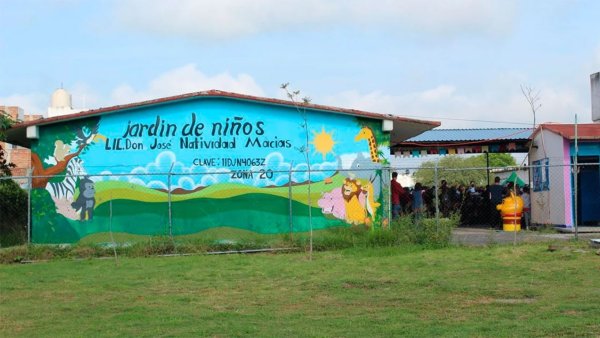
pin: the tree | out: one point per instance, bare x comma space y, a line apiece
13, 208
304, 149
5, 123
500, 160
462, 170
13, 204
533, 99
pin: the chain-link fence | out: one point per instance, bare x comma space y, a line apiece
221, 206
225, 205
564, 196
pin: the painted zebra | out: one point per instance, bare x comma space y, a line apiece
66, 188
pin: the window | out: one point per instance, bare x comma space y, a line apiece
541, 180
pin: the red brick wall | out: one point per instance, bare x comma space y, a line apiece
20, 156
13, 111
33, 117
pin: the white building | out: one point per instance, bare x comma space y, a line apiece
553, 190
61, 104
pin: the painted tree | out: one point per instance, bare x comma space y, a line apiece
61, 143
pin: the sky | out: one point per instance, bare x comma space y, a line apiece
460, 62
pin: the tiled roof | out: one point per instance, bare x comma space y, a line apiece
585, 131
456, 135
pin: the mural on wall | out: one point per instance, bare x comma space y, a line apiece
219, 163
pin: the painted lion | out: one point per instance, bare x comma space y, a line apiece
355, 211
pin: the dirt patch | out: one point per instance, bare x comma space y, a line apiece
514, 300
490, 300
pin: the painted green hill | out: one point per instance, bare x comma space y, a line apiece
107, 190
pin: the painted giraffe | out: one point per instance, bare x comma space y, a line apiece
367, 134
370, 203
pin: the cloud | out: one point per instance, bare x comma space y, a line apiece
230, 19
186, 79
83, 97
180, 80
442, 92
32, 103
482, 109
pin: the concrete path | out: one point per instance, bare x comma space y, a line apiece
475, 236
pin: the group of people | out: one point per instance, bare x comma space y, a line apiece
476, 205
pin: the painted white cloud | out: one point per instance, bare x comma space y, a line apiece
319, 171
275, 172
228, 19
186, 79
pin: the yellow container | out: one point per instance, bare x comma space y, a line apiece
511, 210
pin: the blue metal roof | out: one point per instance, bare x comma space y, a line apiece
451, 135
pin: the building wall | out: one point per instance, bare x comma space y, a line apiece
551, 205
16, 113
595, 86
222, 166
19, 156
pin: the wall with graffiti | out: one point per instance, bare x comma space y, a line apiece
186, 167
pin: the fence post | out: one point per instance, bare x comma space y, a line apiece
575, 173
386, 192
436, 197
514, 192
112, 238
29, 183
169, 201
290, 201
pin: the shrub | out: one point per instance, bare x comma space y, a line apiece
13, 208
425, 231
381, 238
403, 231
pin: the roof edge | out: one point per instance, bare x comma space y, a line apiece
548, 126
213, 93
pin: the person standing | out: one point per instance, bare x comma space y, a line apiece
445, 199
526, 207
417, 201
397, 191
472, 188
496, 192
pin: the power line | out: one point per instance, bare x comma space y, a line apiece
468, 120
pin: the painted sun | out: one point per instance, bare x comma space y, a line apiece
323, 142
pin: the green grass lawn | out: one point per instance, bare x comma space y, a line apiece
497, 291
